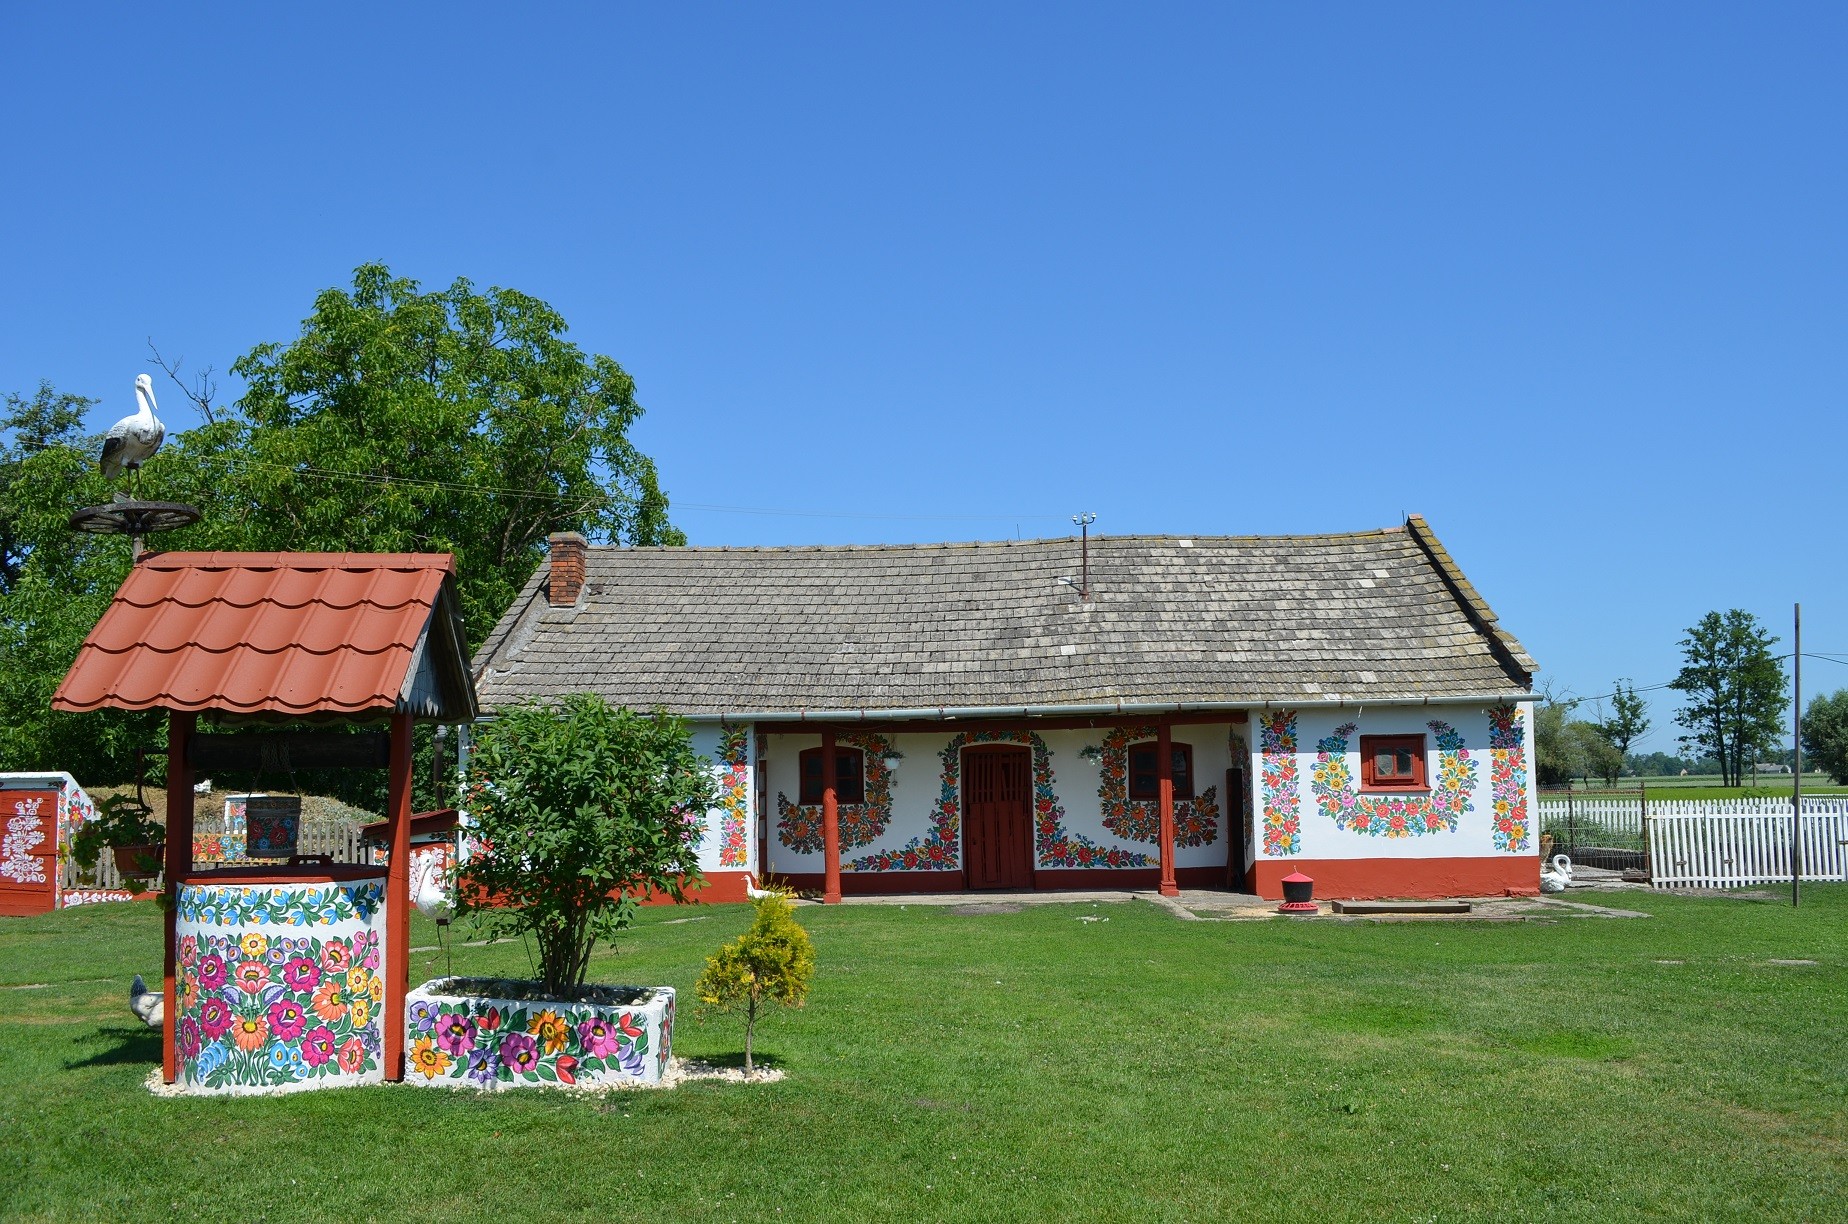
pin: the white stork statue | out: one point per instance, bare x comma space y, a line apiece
133, 440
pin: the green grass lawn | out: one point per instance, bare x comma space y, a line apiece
1031, 1066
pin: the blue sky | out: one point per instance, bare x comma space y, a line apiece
1570, 280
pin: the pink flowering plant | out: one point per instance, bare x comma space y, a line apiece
579, 808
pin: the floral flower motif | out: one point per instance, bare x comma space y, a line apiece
287, 1020
214, 1016
250, 1030
489, 1020
252, 976
1282, 821
566, 1066
1394, 816
352, 1055
800, 827
189, 1038
358, 978
362, 1011
254, 944
455, 1032
336, 957
519, 1053
427, 1060
552, 1031
280, 1057
1196, 821
189, 949
329, 1001
301, 973
211, 972
375, 988
423, 1015
597, 1037
210, 1059
483, 1065
318, 1045
734, 795
1508, 778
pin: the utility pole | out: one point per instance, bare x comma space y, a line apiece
1083, 521
1796, 773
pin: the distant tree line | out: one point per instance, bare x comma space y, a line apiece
1732, 716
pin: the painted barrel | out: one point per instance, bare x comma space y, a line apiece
281, 982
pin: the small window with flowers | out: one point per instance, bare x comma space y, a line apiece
1145, 771
1392, 763
849, 776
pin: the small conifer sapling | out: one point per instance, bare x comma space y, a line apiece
770, 963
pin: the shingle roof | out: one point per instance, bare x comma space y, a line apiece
1373, 616
270, 633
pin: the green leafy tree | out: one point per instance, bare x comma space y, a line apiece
399, 420
1825, 735
1553, 760
54, 584
580, 809
772, 962
1628, 721
1590, 751
1734, 688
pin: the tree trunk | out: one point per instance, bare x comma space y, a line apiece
750, 1029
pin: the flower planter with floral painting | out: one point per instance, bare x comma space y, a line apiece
493, 1033
280, 982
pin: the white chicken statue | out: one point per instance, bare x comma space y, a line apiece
149, 1006
1557, 876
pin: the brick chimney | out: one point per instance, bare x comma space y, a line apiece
567, 576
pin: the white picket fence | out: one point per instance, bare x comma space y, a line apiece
1748, 843
340, 841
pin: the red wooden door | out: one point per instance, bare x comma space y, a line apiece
28, 851
998, 816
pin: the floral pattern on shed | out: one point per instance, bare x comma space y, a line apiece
734, 795
1282, 796
1196, 820
1508, 779
799, 826
1394, 816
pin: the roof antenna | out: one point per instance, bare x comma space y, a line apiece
1083, 521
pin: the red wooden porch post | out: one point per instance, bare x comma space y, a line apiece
180, 725
1164, 754
397, 895
830, 822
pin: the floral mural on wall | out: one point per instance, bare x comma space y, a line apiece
1282, 799
486, 1041
233, 904
264, 1010
1508, 778
19, 860
734, 795
1394, 816
798, 826
1196, 820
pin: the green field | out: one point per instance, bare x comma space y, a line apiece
1700, 786
1032, 1066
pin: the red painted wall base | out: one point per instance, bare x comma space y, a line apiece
1417, 879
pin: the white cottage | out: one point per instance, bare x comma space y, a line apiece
1177, 712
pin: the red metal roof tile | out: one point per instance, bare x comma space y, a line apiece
282, 633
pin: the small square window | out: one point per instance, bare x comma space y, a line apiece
1145, 775
1392, 762
849, 779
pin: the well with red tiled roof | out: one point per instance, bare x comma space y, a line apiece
281, 635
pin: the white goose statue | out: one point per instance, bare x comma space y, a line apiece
1557, 876
133, 440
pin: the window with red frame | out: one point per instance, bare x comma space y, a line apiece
1392, 762
1145, 771
849, 775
